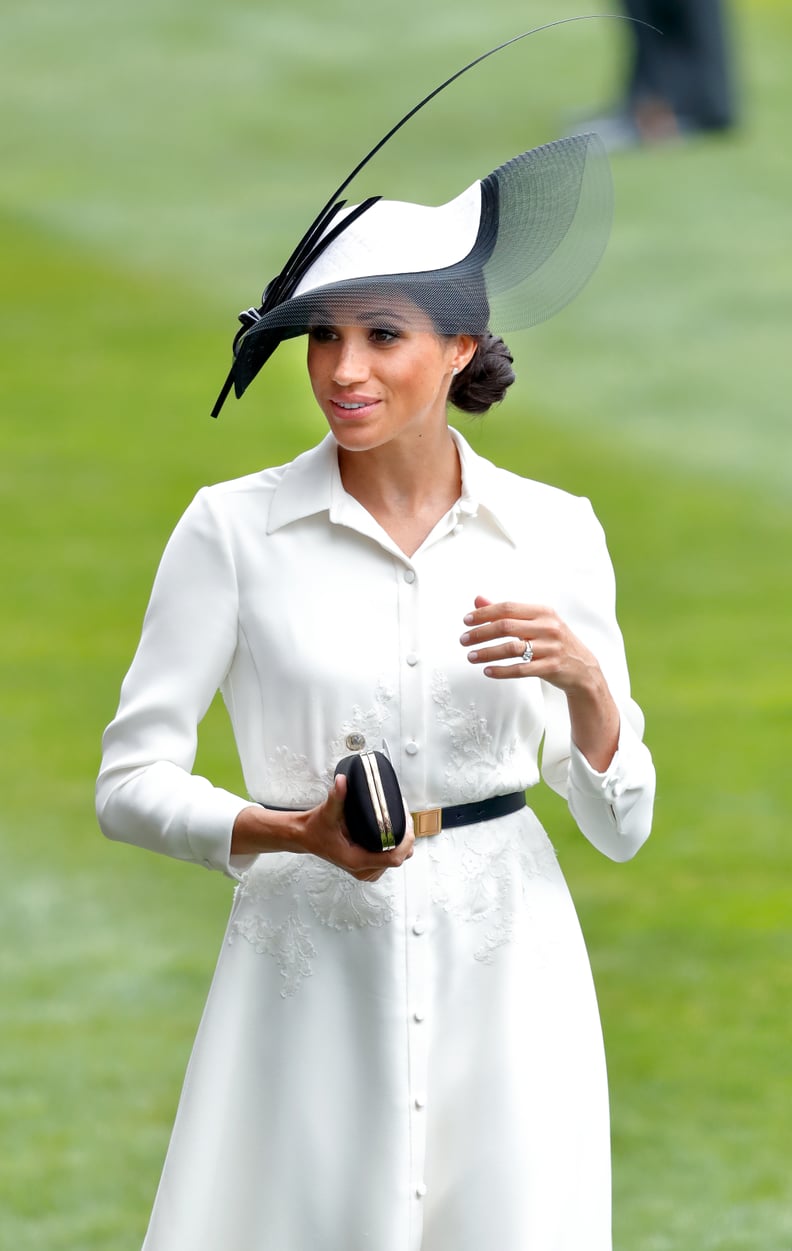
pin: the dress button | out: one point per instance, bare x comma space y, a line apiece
411, 658
420, 1190
409, 575
418, 926
419, 1016
420, 1102
355, 742
411, 748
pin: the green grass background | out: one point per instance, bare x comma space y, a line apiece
155, 163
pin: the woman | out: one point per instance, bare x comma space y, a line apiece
400, 1050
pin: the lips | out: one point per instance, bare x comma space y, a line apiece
353, 407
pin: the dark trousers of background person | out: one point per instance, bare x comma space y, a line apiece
687, 68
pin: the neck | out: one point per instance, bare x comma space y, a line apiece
407, 485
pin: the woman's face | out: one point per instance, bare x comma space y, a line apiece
383, 375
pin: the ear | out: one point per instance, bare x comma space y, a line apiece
464, 346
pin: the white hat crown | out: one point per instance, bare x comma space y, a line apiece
398, 237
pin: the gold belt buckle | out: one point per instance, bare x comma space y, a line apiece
428, 822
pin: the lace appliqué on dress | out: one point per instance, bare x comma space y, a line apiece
482, 877
368, 724
288, 943
343, 903
474, 766
292, 782
282, 893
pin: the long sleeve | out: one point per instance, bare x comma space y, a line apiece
146, 794
612, 809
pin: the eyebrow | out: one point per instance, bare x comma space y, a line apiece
375, 317
383, 315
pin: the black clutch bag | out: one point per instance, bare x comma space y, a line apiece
373, 808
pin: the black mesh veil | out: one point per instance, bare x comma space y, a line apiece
555, 209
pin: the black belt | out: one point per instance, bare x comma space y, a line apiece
433, 820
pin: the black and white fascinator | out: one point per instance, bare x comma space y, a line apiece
507, 253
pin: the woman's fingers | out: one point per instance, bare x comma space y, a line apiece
520, 633
508, 620
509, 649
500, 672
326, 836
334, 804
511, 640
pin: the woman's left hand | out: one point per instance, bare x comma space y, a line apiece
558, 656
507, 631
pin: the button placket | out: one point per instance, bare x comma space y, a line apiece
417, 903
418, 954
412, 762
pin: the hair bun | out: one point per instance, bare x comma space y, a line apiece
485, 379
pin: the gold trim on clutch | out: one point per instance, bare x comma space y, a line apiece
378, 801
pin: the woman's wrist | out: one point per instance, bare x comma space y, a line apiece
258, 830
595, 721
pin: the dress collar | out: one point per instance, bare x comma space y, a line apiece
312, 484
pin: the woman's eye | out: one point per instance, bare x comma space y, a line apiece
321, 334
380, 335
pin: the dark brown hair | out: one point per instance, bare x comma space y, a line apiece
485, 379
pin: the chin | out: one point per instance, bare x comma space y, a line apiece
357, 437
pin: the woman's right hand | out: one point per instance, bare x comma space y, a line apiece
319, 832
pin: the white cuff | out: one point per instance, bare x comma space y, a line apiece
209, 828
614, 809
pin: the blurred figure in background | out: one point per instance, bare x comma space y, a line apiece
679, 79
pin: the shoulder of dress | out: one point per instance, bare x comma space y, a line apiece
283, 493
224, 507
263, 482
250, 496
527, 502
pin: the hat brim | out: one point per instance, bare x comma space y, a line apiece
544, 222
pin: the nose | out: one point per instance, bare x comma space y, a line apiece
351, 363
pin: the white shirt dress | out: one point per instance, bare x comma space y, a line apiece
413, 1064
